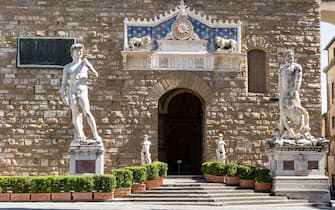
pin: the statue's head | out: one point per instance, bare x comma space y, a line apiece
77, 47
289, 56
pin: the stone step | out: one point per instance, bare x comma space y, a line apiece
200, 198
228, 195
198, 191
265, 202
196, 188
178, 203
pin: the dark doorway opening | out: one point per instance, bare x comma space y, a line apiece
180, 132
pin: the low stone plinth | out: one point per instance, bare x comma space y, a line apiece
86, 158
299, 172
312, 188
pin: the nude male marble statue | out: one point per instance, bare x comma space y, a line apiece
75, 93
145, 152
220, 150
294, 119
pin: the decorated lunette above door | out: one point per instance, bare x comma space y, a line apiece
182, 39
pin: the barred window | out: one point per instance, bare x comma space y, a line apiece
257, 76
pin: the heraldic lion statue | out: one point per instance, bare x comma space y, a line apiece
140, 43
225, 44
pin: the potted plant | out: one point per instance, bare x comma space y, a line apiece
4, 195
247, 176
104, 186
152, 176
40, 188
163, 168
124, 180
263, 180
61, 187
83, 187
232, 177
215, 171
139, 177
20, 186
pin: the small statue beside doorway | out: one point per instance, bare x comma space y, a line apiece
145, 152
220, 150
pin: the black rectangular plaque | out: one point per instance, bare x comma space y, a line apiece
288, 164
313, 164
85, 166
44, 51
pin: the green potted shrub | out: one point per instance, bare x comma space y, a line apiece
83, 188
232, 177
61, 187
215, 171
152, 176
263, 180
20, 187
4, 195
247, 176
124, 180
139, 178
163, 168
104, 186
204, 167
40, 188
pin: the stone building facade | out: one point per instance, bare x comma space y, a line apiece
330, 115
182, 110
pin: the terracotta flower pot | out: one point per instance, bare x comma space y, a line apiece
152, 184
138, 188
4, 196
101, 196
61, 196
82, 196
247, 183
122, 192
20, 196
232, 180
40, 196
263, 186
214, 178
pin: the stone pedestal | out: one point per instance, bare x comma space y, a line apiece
86, 158
299, 172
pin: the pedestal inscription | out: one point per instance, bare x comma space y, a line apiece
85, 166
86, 159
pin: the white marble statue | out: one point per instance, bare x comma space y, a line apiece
136, 43
145, 152
220, 150
75, 93
226, 44
294, 119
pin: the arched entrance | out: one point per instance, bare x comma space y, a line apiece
180, 131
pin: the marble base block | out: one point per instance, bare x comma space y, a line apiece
311, 188
299, 172
86, 159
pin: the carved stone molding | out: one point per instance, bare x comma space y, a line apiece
255, 42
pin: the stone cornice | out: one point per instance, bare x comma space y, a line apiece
191, 12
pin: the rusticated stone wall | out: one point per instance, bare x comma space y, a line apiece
35, 127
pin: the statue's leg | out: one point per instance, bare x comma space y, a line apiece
85, 106
77, 122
